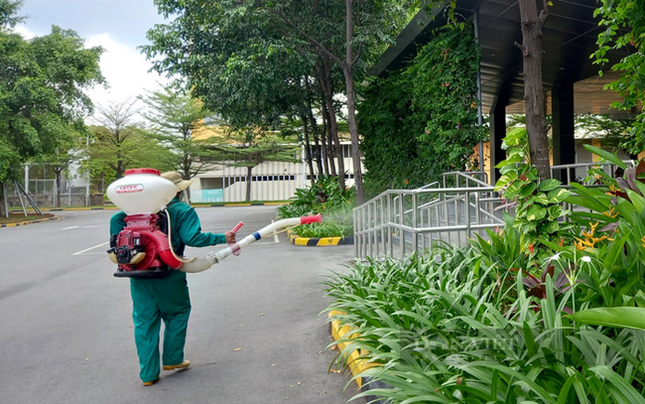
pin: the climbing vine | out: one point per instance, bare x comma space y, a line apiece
624, 30
421, 121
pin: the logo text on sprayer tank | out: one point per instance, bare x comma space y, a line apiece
129, 188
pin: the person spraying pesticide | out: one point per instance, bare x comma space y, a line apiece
147, 241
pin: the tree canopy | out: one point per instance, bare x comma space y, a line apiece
173, 117
248, 59
42, 91
118, 142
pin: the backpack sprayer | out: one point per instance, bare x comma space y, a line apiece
143, 249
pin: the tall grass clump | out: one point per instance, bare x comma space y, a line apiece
459, 330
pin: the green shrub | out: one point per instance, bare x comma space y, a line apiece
324, 197
324, 229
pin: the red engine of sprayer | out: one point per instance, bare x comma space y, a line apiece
138, 245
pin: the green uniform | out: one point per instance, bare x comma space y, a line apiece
167, 299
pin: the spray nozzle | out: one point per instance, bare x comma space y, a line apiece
234, 230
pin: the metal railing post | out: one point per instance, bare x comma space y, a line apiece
415, 239
369, 226
467, 206
402, 241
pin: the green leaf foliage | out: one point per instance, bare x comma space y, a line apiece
629, 317
537, 204
623, 23
559, 320
421, 121
42, 98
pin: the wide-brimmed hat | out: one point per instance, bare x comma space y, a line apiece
175, 178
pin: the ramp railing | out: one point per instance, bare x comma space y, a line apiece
400, 222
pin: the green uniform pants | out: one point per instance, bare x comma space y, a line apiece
154, 300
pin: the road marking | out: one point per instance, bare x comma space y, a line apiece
91, 248
70, 228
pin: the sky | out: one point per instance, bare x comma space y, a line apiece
119, 26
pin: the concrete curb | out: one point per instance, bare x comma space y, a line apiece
26, 222
319, 242
355, 359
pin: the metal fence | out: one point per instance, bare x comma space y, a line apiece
44, 193
579, 172
401, 222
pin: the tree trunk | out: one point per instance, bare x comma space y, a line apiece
318, 150
333, 124
249, 171
58, 188
3, 199
307, 146
348, 70
531, 47
353, 130
317, 154
330, 168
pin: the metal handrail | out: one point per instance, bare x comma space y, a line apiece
569, 168
400, 221
468, 176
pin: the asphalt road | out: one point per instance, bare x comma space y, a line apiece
255, 335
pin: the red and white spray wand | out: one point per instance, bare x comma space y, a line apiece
201, 264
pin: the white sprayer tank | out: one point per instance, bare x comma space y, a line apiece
141, 191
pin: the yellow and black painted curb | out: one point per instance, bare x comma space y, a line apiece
26, 222
319, 242
356, 359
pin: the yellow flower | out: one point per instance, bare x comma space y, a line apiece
589, 241
611, 213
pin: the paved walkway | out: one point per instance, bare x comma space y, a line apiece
255, 335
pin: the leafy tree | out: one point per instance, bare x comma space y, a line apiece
174, 116
624, 23
364, 26
42, 84
615, 133
118, 142
252, 147
239, 63
8, 11
238, 53
60, 160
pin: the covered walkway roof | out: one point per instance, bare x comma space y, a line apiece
569, 38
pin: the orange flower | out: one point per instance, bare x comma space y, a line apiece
611, 213
589, 241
